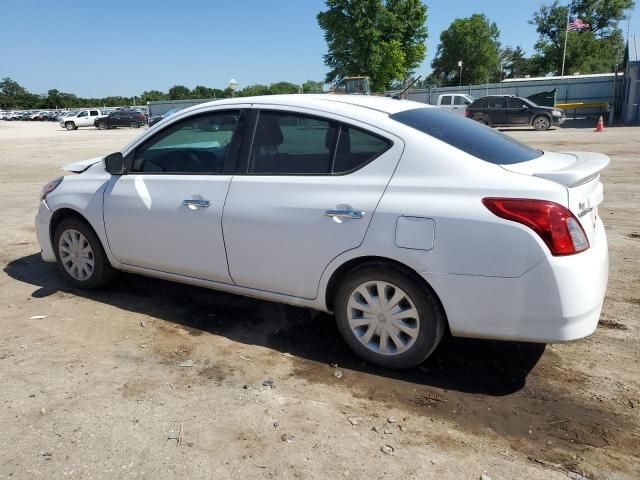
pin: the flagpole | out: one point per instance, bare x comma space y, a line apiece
566, 34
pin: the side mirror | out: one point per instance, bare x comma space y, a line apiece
114, 163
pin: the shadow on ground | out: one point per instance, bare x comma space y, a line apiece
465, 365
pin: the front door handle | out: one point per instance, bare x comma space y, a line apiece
193, 204
341, 214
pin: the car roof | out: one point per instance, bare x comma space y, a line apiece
327, 102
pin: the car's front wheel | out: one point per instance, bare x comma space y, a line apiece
388, 317
80, 256
102, 126
134, 125
541, 123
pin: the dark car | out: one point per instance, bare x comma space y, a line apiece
508, 111
121, 118
156, 118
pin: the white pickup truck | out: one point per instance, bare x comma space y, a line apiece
81, 118
455, 103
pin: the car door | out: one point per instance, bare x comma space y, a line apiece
165, 214
518, 112
498, 110
93, 116
82, 119
446, 103
305, 192
460, 104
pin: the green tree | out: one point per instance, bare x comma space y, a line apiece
179, 92
381, 39
312, 87
475, 42
202, 92
253, 90
515, 64
153, 96
282, 88
595, 50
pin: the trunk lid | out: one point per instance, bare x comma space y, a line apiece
579, 173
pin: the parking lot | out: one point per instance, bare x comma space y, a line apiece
150, 378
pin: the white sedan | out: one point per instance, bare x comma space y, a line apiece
402, 220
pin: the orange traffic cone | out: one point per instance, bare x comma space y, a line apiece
600, 126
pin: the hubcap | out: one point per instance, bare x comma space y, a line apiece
383, 318
76, 254
541, 123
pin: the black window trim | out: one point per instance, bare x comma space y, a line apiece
230, 161
242, 165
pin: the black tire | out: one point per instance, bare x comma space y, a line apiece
70, 126
101, 126
432, 318
541, 123
134, 125
481, 120
102, 272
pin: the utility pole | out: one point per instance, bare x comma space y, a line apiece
460, 78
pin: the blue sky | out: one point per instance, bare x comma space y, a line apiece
122, 47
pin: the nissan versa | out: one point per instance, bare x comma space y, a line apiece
403, 220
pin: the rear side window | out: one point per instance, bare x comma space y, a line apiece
461, 101
93, 113
498, 102
467, 135
356, 148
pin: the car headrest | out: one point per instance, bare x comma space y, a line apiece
268, 131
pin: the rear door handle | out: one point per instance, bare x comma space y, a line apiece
193, 204
353, 214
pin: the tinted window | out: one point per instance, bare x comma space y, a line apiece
93, 113
498, 102
82, 114
290, 144
469, 136
481, 103
517, 103
196, 145
446, 100
461, 101
357, 148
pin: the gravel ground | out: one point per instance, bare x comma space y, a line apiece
95, 388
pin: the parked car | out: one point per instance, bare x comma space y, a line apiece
403, 220
81, 118
156, 118
508, 111
121, 118
454, 102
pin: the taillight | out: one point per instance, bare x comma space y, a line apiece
555, 224
466, 113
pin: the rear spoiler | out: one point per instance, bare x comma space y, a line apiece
587, 166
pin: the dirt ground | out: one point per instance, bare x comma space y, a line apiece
95, 389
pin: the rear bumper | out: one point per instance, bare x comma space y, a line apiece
558, 300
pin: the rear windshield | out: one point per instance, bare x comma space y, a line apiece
467, 135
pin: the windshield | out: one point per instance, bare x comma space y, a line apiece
468, 135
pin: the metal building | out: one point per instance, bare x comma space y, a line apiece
631, 88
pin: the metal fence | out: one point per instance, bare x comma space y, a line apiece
161, 106
580, 88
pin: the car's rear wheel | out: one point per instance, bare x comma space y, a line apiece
134, 125
80, 256
388, 317
541, 123
70, 126
481, 120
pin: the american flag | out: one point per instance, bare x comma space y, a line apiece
576, 24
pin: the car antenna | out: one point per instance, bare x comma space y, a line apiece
398, 96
